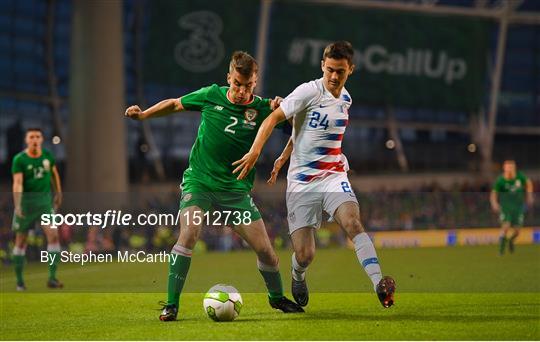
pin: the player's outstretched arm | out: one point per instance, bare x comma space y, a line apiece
162, 108
249, 159
57, 186
280, 161
17, 192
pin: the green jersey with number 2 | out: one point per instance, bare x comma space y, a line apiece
225, 134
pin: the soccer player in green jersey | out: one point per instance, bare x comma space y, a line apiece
34, 171
230, 117
510, 192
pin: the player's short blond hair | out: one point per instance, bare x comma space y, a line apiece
243, 63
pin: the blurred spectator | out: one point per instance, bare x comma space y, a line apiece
430, 206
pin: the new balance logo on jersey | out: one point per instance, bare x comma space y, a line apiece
218, 107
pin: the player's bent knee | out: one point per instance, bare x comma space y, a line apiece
270, 260
305, 256
20, 240
52, 236
268, 256
53, 239
21, 245
189, 235
353, 227
187, 242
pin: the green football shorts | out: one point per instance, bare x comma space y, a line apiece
31, 215
515, 218
229, 208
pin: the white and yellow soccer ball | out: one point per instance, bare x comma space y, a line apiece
222, 303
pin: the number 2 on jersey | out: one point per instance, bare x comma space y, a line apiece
38, 172
316, 121
346, 187
228, 127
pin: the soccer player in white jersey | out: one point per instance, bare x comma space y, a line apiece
317, 178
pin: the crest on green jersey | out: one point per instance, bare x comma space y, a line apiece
186, 197
251, 114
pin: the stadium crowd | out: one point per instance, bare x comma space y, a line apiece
431, 206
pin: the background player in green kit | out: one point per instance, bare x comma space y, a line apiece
508, 197
230, 118
34, 171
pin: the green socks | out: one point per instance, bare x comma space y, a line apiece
54, 251
502, 244
19, 259
178, 269
18, 262
54, 266
511, 243
272, 279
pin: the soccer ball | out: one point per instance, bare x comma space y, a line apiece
222, 303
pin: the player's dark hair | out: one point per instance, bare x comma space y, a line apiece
509, 161
339, 50
244, 63
34, 129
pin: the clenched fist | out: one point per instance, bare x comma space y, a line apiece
275, 102
134, 112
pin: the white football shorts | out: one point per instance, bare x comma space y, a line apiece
306, 201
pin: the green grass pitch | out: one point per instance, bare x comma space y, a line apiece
459, 293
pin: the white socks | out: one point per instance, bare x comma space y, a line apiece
53, 247
367, 256
19, 251
180, 250
298, 272
365, 251
266, 268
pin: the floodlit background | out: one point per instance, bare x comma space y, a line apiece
443, 92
